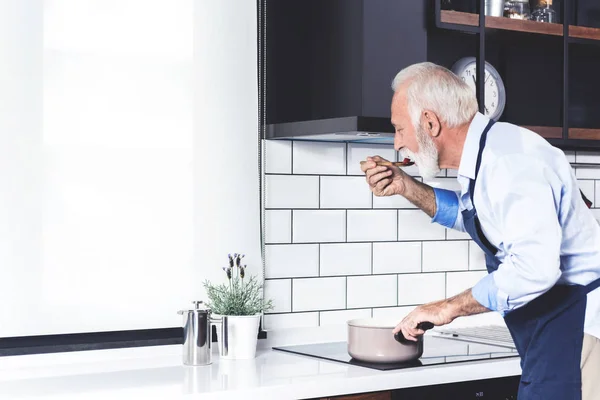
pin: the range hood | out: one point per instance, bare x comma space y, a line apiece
326, 66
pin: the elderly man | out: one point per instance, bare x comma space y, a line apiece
520, 203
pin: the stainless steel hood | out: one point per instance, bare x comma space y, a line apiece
348, 129
326, 66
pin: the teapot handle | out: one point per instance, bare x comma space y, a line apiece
222, 325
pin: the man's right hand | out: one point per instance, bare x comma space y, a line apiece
384, 180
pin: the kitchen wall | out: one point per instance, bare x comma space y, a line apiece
334, 251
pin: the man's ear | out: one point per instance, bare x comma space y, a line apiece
431, 123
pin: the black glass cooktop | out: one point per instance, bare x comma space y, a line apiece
436, 351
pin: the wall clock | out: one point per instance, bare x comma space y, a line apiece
495, 95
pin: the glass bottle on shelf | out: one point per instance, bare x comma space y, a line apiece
544, 12
516, 9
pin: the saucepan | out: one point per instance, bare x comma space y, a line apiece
373, 340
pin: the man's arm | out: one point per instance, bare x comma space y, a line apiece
523, 205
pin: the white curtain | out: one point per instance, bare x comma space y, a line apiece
113, 116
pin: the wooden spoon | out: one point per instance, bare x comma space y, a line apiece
405, 163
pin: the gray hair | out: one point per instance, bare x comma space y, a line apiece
433, 87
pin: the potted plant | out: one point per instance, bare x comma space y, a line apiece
238, 304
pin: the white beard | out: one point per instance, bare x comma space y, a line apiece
427, 156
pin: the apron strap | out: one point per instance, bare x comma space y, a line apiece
482, 141
592, 286
484, 241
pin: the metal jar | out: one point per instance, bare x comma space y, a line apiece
494, 8
197, 334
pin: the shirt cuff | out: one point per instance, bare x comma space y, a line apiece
488, 295
446, 203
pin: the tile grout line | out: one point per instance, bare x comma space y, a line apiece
346, 295
372, 256
319, 258
346, 227
292, 157
319, 201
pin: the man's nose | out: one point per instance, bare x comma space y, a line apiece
398, 143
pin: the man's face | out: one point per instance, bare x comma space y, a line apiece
411, 142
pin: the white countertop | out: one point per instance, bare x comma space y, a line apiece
158, 373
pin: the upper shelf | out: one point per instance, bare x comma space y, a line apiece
468, 19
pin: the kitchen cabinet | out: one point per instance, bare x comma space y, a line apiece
384, 395
549, 69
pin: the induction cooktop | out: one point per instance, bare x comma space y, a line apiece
436, 351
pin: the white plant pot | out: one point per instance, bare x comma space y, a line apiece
237, 336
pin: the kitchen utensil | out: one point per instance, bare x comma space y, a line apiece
405, 163
373, 340
197, 337
494, 8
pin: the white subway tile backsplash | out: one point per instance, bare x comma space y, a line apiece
278, 156
453, 234
587, 187
319, 158
570, 154
445, 256
443, 183
372, 225
413, 170
345, 192
278, 226
416, 289
290, 261
359, 152
457, 282
587, 173
287, 191
396, 257
476, 257
392, 313
342, 316
319, 226
395, 201
416, 225
336, 252
371, 291
280, 291
345, 259
588, 157
318, 294
596, 213
291, 321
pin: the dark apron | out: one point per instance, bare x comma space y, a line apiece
548, 331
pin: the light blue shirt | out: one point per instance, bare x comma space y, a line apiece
531, 210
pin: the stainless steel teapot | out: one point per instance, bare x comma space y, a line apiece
197, 334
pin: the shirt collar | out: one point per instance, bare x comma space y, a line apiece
468, 158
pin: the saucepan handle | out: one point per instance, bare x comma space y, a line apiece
422, 325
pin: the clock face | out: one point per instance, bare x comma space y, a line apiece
495, 97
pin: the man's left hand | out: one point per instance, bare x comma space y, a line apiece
438, 313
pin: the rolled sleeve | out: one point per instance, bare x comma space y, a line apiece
488, 295
447, 209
